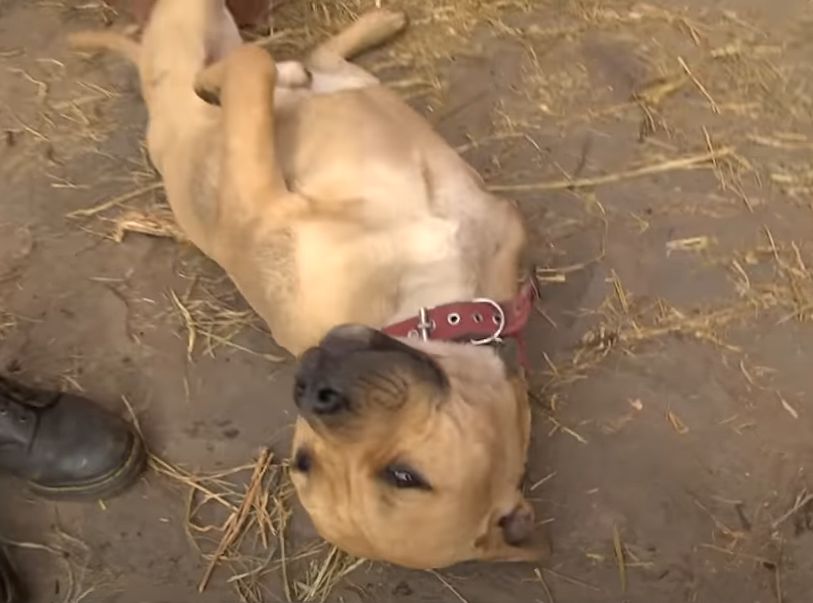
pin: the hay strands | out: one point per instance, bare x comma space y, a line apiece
116, 201
672, 165
802, 500
618, 552
238, 519
325, 575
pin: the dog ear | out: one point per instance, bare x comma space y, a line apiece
514, 537
518, 526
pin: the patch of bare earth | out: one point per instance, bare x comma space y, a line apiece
661, 155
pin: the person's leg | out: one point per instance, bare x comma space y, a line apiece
66, 448
9, 589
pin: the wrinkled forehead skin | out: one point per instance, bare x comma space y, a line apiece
469, 444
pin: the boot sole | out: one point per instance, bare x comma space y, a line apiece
108, 486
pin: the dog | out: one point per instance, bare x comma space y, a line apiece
376, 255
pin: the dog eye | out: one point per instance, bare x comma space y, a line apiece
403, 477
303, 461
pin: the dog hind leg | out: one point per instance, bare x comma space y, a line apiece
372, 29
331, 59
184, 36
329, 62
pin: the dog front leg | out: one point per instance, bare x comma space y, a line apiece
253, 184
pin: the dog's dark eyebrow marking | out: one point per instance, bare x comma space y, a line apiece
303, 460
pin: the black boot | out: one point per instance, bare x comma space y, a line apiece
65, 446
9, 589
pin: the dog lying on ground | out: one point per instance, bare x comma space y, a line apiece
332, 205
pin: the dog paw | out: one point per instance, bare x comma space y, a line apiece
390, 21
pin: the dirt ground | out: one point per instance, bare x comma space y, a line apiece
661, 154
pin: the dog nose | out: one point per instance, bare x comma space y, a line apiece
314, 389
330, 375
347, 338
322, 400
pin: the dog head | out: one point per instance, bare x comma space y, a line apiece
412, 452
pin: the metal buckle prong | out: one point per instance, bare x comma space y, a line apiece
424, 325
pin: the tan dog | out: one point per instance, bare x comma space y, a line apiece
329, 202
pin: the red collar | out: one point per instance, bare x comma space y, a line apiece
479, 322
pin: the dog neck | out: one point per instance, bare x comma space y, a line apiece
478, 321
430, 295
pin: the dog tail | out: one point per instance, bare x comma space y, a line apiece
106, 40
